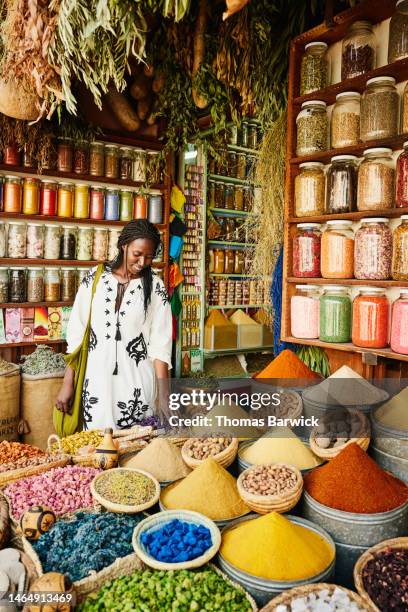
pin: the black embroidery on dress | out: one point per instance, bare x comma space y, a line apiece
107, 300
107, 324
93, 340
122, 312
107, 268
110, 289
88, 279
137, 349
127, 303
107, 336
161, 291
132, 412
106, 312
132, 292
87, 403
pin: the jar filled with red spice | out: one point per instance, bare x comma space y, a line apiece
370, 318
11, 155
96, 202
65, 155
401, 198
48, 198
81, 157
306, 250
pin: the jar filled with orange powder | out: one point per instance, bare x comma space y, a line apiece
31, 196
370, 318
12, 194
337, 250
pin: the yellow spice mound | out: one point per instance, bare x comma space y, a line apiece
209, 489
281, 446
274, 548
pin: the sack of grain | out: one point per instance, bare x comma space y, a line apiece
10, 403
38, 395
18, 101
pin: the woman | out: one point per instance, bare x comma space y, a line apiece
130, 338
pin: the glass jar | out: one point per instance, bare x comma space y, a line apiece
243, 134
65, 155
154, 167
4, 285
11, 155
315, 70
65, 200
400, 251
211, 194
309, 190
1, 193
155, 209
341, 184
111, 161
219, 261
376, 180
68, 242
81, 157
345, 120
370, 318
304, 312
229, 229
48, 198
113, 238
12, 194
85, 243
68, 284
306, 250
112, 204
239, 262
17, 239
52, 286
379, 109
52, 241
96, 202
312, 128
80, 275
373, 250
96, 158
81, 202
241, 166
238, 198
31, 192
35, 285
247, 198
35, 241
229, 197
139, 166
401, 197
219, 195
399, 324
3, 239
252, 135
126, 205
232, 163
100, 244
229, 257
17, 285
358, 50
337, 250
398, 34
404, 121
335, 314
28, 159
126, 163
140, 207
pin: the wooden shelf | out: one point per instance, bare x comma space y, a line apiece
67, 220
230, 306
17, 263
229, 179
33, 343
229, 244
234, 351
214, 274
229, 213
347, 347
34, 304
352, 216
354, 282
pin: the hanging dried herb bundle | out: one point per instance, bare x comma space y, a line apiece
36, 139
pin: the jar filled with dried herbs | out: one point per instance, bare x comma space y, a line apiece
96, 158
358, 50
315, 70
341, 184
52, 241
35, 285
398, 34
345, 120
81, 157
373, 249
312, 128
3, 239
400, 251
4, 285
376, 177
379, 109
309, 190
65, 153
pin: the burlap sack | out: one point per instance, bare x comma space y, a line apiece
18, 101
38, 395
9, 405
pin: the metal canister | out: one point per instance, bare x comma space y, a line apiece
155, 211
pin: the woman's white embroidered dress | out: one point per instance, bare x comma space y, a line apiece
126, 338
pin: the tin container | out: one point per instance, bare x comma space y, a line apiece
396, 465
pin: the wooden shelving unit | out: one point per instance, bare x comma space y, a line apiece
33, 304
75, 263
68, 220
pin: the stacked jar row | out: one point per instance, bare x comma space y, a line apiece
32, 197
373, 252
236, 292
95, 159
226, 261
18, 285
334, 317
232, 164
229, 197
231, 230
248, 135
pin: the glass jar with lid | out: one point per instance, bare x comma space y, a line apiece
376, 177
238, 198
65, 200
312, 128
31, 196
219, 195
11, 155
126, 205
309, 190
304, 312
229, 256
81, 157
3, 239
358, 54
241, 166
243, 134
96, 158
65, 153
35, 285
52, 285
373, 249
232, 163
139, 166
345, 120
399, 324
28, 159
252, 135
379, 109
68, 242
48, 198
370, 318
126, 163
4, 285
211, 194
400, 251
335, 314
17, 285
306, 250
401, 192
404, 119
96, 202
398, 34
154, 167
219, 261
68, 284
35, 240
81, 273
112, 204
337, 250
85, 242
81, 201
341, 184
17, 240
315, 70
111, 161
239, 262
52, 241
12, 194
229, 197
100, 244
140, 204
113, 238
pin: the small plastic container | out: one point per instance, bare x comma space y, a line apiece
337, 250
370, 318
310, 190
379, 109
96, 158
65, 200
35, 285
100, 244
52, 285
312, 128
400, 251
341, 185
65, 155
17, 240
68, 242
373, 249
315, 70
399, 324
345, 120
305, 312
31, 196
398, 33
52, 233
85, 243
358, 50
68, 284
335, 314
12, 195
17, 285
35, 241
306, 250
48, 198
376, 179
4, 285
81, 201
111, 161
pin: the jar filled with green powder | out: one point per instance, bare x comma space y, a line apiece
335, 314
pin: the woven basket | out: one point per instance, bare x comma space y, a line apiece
131, 443
262, 504
287, 596
225, 458
114, 507
330, 453
363, 560
13, 475
4, 521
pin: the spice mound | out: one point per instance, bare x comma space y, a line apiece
87, 543
202, 448
63, 489
43, 361
161, 459
209, 489
72, 444
353, 482
270, 480
337, 600
125, 487
385, 578
12, 452
394, 414
274, 548
288, 365
338, 427
177, 541
175, 590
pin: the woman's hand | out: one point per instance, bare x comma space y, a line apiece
66, 393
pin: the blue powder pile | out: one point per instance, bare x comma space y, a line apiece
177, 541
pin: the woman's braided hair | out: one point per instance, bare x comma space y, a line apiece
134, 230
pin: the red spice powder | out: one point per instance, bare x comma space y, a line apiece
353, 482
